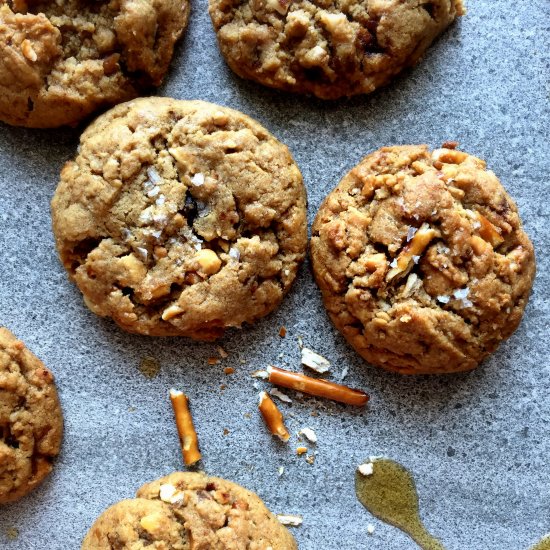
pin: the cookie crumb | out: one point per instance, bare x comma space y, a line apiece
310, 459
149, 367
213, 360
301, 450
228, 370
222, 352
12, 533
449, 144
282, 332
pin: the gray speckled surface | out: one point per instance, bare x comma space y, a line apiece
477, 443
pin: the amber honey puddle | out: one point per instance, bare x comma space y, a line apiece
389, 494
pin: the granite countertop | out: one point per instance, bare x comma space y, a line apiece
477, 443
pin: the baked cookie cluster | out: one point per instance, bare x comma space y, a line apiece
186, 218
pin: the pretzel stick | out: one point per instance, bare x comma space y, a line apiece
186, 430
488, 231
273, 417
316, 386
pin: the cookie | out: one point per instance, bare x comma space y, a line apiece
61, 61
189, 510
180, 218
422, 260
31, 424
326, 48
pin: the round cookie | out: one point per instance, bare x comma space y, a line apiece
189, 510
61, 61
326, 48
422, 260
180, 218
31, 424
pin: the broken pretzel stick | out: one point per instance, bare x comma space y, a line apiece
186, 430
316, 386
417, 245
273, 417
488, 231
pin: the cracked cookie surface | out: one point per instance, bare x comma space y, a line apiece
185, 511
30, 419
180, 218
62, 60
422, 260
328, 48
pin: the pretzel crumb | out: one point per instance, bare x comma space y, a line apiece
315, 361
222, 352
229, 370
282, 332
213, 360
282, 396
28, 50
273, 417
263, 374
186, 429
309, 434
419, 241
317, 387
287, 519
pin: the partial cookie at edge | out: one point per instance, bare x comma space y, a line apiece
31, 422
61, 61
327, 49
183, 507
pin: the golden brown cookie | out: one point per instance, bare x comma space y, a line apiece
326, 48
422, 260
185, 511
31, 424
61, 61
180, 218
